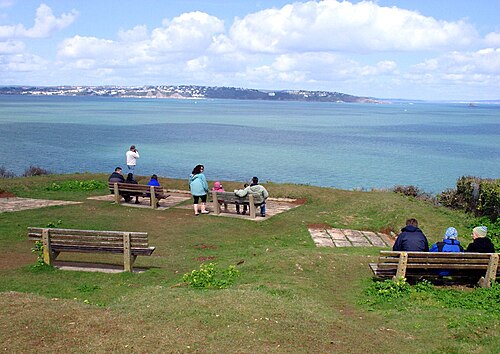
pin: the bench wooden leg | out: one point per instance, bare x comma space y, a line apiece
401, 272
215, 203
117, 193
491, 272
47, 248
128, 260
252, 206
153, 197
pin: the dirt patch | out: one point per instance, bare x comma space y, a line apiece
203, 247
204, 259
318, 226
5, 194
299, 201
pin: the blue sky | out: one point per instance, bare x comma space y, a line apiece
415, 49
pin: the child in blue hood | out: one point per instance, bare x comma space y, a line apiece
450, 243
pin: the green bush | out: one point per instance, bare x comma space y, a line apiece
211, 277
77, 186
480, 196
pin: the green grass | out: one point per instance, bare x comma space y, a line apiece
289, 297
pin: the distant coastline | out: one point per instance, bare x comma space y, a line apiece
188, 92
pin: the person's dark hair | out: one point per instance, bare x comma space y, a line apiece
154, 177
255, 180
197, 169
412, 222
132, 147
245, 185
130, 177
118, 169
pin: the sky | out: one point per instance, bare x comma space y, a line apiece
412, 49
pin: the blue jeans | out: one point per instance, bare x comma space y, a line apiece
131, 168
263, 209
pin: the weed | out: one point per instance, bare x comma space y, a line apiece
54, 224
87, 186
88, 288
211, 277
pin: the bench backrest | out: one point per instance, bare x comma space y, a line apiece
231, 197
129, 187
90, 240
438, 260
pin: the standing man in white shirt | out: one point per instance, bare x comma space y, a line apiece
132, 156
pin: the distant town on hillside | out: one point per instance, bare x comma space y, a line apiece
185, 92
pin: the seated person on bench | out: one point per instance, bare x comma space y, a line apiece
130, 179
255, 187
118, 177
154, 182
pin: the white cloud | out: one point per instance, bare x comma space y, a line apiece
11, 47
492, 39
6, 3
330, 25
194, 31
45, 25
460, 67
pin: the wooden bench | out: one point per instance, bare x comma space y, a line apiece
139, 190
395, 265
251, 199
130, 244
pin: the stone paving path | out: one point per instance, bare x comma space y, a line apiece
274, 206
17, 204
330, 237
175, 198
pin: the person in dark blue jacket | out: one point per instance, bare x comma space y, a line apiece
411, 238
450, 243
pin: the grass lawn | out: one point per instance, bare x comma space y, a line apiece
290, 296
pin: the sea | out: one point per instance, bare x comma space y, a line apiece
341, 145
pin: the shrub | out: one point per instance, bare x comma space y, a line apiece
35, 171
410, 191
413, 191
211, 277
77, 186
480, 196
4, 173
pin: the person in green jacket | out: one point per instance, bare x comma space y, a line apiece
255, 187
199, 188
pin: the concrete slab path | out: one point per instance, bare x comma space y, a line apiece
17, 204
331, 237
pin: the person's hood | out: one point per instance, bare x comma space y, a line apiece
410, 228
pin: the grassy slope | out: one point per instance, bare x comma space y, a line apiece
291, 296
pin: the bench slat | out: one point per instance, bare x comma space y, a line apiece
89, 249
232, 198
89, 238
87, 232
443, 261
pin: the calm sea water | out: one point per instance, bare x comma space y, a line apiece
326, 144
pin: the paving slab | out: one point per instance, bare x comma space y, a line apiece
174, 199
274, 206
18, 204
322, 235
